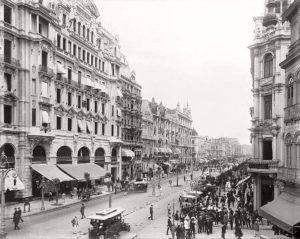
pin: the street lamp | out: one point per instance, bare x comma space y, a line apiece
3, 167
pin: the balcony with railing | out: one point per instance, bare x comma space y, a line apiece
99, 159
83, 159
262, 166
46, 70
10, 61
291, 175
292, 112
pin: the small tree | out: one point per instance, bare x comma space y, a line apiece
56, 183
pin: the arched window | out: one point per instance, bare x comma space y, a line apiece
83, 30
39, 155
83, 155
79, 28
290, 92
296, 162
268, 65
9, 152
64, 155
100, 156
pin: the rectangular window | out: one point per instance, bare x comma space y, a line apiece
79, 102
7, 114
103, 108
7, 14
33, 86
83, 55
96, 106
88, 57
103, 66
268, 107
44, 58
58, 122
69, 75
64, 44
64, 19
92, 60
7, 51
118, 130
44, 86
33, 23
112, 130
112, 69
87, 104
33, 117
58, 41
69, 124
69, 47
69, 98
74, 50
96, 62
96, 128
7, 82
58, 95
79, 53
112, 110
79, 77
103, 129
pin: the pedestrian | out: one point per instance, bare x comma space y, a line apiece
50, 196
223, 231
173, 230
75, 225
183, 178
151, 212
169, 226
82, 211
160, 191
256, 228
16, 219
176, 217
193, 226
231, 219
238, 232
20, 214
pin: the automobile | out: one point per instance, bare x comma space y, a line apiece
107, 223
140, 185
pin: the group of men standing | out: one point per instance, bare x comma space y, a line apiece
17, 217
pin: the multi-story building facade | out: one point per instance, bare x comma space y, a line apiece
131, 123
283, 210
60, 93
200, 147
166, 133
271, 41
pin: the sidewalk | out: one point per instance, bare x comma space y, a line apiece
35, 206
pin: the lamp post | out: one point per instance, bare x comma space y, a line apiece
4, 170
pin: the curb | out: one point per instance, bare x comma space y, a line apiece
60, 207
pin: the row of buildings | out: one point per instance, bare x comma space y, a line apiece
205, 148
275, 166
68, 98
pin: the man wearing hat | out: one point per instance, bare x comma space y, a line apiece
151, 212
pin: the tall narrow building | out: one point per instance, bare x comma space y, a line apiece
270, 46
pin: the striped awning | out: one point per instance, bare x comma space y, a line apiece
89, 127
127, 153
60, 69
51, 172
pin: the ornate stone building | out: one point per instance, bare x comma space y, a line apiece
61, 88
170, 131
283, 210
271, 42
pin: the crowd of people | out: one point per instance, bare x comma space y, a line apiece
221, 203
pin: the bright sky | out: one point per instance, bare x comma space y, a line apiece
191, 51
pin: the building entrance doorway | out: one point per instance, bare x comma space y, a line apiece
267, 150
267, 190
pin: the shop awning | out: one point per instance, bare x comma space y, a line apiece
155, 150
242, 181
160, 150
103, 88
13, 182
127, 153
168, 164
51, 172
97, 85
80, 125
169, 150
283, 211
89, 82
77, 171
45, 117
60, 69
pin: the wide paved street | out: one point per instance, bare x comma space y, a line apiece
58, 223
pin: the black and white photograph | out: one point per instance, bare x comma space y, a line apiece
150, 119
